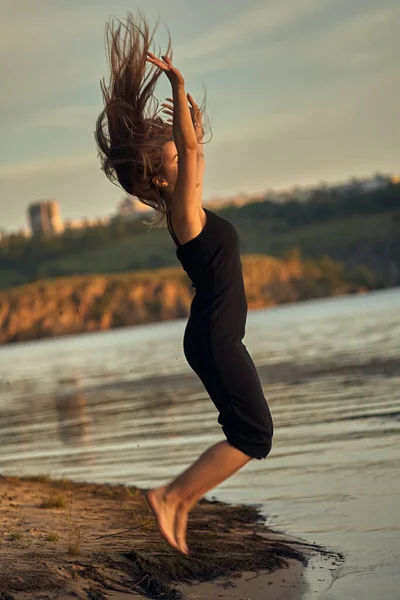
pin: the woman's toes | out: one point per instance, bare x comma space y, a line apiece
165, 515
181, 520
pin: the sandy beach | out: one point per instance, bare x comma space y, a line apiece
61, 539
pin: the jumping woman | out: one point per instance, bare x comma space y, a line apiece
161, 162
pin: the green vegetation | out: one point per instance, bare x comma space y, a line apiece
15, 536
52, 537
360, 230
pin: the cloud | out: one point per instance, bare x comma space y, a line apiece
72, 115
46, 52
314, 112
236, 30
360, 38
63, 164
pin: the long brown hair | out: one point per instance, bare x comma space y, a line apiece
129, 132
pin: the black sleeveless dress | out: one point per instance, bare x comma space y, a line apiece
213, 336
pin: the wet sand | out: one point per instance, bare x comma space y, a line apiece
61, 539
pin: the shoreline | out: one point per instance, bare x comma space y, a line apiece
62, 539
70, 305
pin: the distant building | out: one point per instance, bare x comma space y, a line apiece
74, 224
131, 208
217, 202
86, 222
96, 221
378, 182
360, 184
126, 208
44, 217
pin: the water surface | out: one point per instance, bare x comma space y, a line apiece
123, 406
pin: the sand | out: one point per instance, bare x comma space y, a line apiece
58, 542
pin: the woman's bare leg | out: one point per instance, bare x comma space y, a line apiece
173, 502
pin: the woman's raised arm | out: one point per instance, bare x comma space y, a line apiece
183, 129
184, 197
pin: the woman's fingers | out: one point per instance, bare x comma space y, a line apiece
166, 65
192, 102
189, 97
195, 110
169, 107
156, 61
152, 58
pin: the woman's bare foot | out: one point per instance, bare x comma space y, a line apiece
165, 512
181, 520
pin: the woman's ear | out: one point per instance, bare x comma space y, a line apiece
158, 181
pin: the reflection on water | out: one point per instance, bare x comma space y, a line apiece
124, 406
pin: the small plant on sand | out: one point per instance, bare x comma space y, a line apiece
137, 519
74, 541
52, 537
42, 477
132, 492
15, 536
54, 501
74, 532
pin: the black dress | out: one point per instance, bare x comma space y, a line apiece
213, 336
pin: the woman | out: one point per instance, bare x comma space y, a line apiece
163, 167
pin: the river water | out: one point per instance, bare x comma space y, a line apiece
123, 406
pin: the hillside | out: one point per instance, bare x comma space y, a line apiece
360, 230
77, 304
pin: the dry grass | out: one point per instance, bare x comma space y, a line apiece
74, 541
54, 501
74, 532
41, 477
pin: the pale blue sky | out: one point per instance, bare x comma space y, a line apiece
299, 91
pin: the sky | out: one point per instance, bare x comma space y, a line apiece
298, 92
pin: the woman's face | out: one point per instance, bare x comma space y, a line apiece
170, 164
169, 169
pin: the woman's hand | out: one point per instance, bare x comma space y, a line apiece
183, 131
166, 65
195, 113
